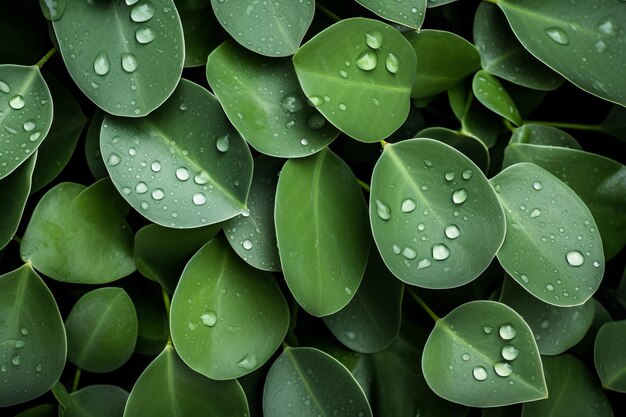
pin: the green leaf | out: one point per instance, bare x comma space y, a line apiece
437, 3
492, 95
609, 355
405, 12
480, 347
191, 168
533, 134
583, 44
101, 330
556, 329
152, 325
371, 320
371, 69
436, 71
429, 207
615, 123
129, 71
469, 146
96, 401
33, 349
263, 100
307, 382
168, 388
25, 114
92, 146
576, 392
552, 246
43, 410
201, 29
322, 231
227, 318
252, 234
78, 234
15, 189
597, 180
270, 28
502, 55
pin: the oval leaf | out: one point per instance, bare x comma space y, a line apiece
480, 347
469, 146
492, 95
609, 355
96, 401
15, 188
533, 134
429, 207
202, 31
405, 12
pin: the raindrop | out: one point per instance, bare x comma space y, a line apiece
575, 258
131, 2
316, 121
292, 103
101, 64
440, 252
141, 188
145, 35
421, 227
129, 62
558, 35
507, 332
182, 174
201, 178
316, 101
452, 231
342, 107
367, 61
351, 335
222, 144
459, 196
396, 249
34, 136
449, 176
114, 159
142, 12
4, 87
607, 26
144, 205
24, 331
392, 63
424, 263
510, 352
596, 264
191, 326
17, 102
409, 253
544, 324
198, 199
16, 360
19, 344
3, 367
537, 185
52, 9
408, 205
247, 244
248, 362
550, 287
132, 151
156, 166
29, 126
126, 190
347, 290
465, 357
600, 46
343, 74
428, 163
487, 329
503, 369
209, 318
524, 278
480, 373
158, 194
383, 210
374, 39
38, 367
467, 174
304, 141
535, 213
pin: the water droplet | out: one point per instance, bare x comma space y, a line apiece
129, 62
17, 102
503, 369
535, 213
392, 63
600, 46
114, 160
408, 205
558, 35
467, 174
524, 278
452, 231
449, 176
480, 373
29, 126
510, 352
101, 64
396, 249
4, 87
24, 331
142, 12
292, 103
367, 60
198, 199
316, 121
421, 227
459, 196
248, 362
38, 367
607, 26
182, 174
132, 151
222, 144
342, 107
550, 287
596, 264
347, 290
158, 194
201, 178
409, 253
304, 141
155, 166
351, 335
465, 357
374, 39
3, 367
537, 185
141, 188
507, 332
424, 263
487, 329
290, 124
575, 258
53, 9
209, 318
144, 205
191, 326
383, 210
316, 101
19, 344
131, 2
145, 35
34, 136
126, 190
440, 252
16, 360
544, 324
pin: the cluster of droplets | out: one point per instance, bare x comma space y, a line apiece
293, 103
605, 27
16, 358
508, 353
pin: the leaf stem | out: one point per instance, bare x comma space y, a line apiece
564, 125
167, 303
422, 304
46, 57
383, 143
76, 379
284, 345
17, 239
509, 125
327, 12
365, 186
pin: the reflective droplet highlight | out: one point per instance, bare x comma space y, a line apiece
17, 102
145, 35
292, 103
392, 63
503, 369
29, 126
452, 231
409, 253
114, 160
479, 373
383, 210
158, 194
509, 352
537, 185
141, 188
374, 39
101, 65
440, 252
209, 318
198, 199
222, 144
507, 332
575, 258
129, 62
535, 213
449, 176
459, 196
4, 88
182, 174
248, 362
408, 205
558, 35
142, 12
367, 60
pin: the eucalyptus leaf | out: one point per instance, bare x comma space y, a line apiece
534, 134
475, 119
371, 69
96, 401
552, 246
202, 31
183, 166
25, 114
129, 71
609, 355
479, 347
227, 318
33, 347
322, 231
490, 92
78, 234
469, 146
15, 189
428, 206
409, 13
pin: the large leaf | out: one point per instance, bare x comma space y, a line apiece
480, 347
306, 382
129, 71
322, 231
15, 189
406, 12
43, 410
583, 44
610, 357
358, 66
227, 318
469, 146
552, 246
78, 234
96, 401
490, 92
33, 350
271, 28
429, 207
183, 166
168, 388
25, 114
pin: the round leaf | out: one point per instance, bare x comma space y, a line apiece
168, 388
202, 31
552, 246
15, 189
306, 382
227, 318
469, 146
609, 355
101, 330
33, 348
480, 347
430, 206
96, 401
271, 28
370, 70
533, 134
405, 12
323, 244
25, 114
264, 101
129, 71
78, 234
183, 166
492, 95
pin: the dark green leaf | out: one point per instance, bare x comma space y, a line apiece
533, 134
92, 146
15, 189
202, 32
406, 12
610, 357
469, 146
96, 401
489, 91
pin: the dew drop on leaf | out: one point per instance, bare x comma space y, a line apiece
459, 196
367, 60
440, 252
503, 369
452, 231
558, 35
4, 87
507, 332
383, 210
17, 102
142, 12
537, 185
198, 199
222, 144
145, 35
408, 205
575, 258
509, 352
392, 63
129, 62
182, 174
209, 318
374, 39
480, 373
101, 65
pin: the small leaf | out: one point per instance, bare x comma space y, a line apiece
405, 12
33, 350
428, 206
227, 318
322, 231
552, 246
533, 134
101, 330
96, 401
25, 114
469, 146
43, 410
306, 382
492, 95
202, 31
609, 355
15, 189
480, 347
92, 146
